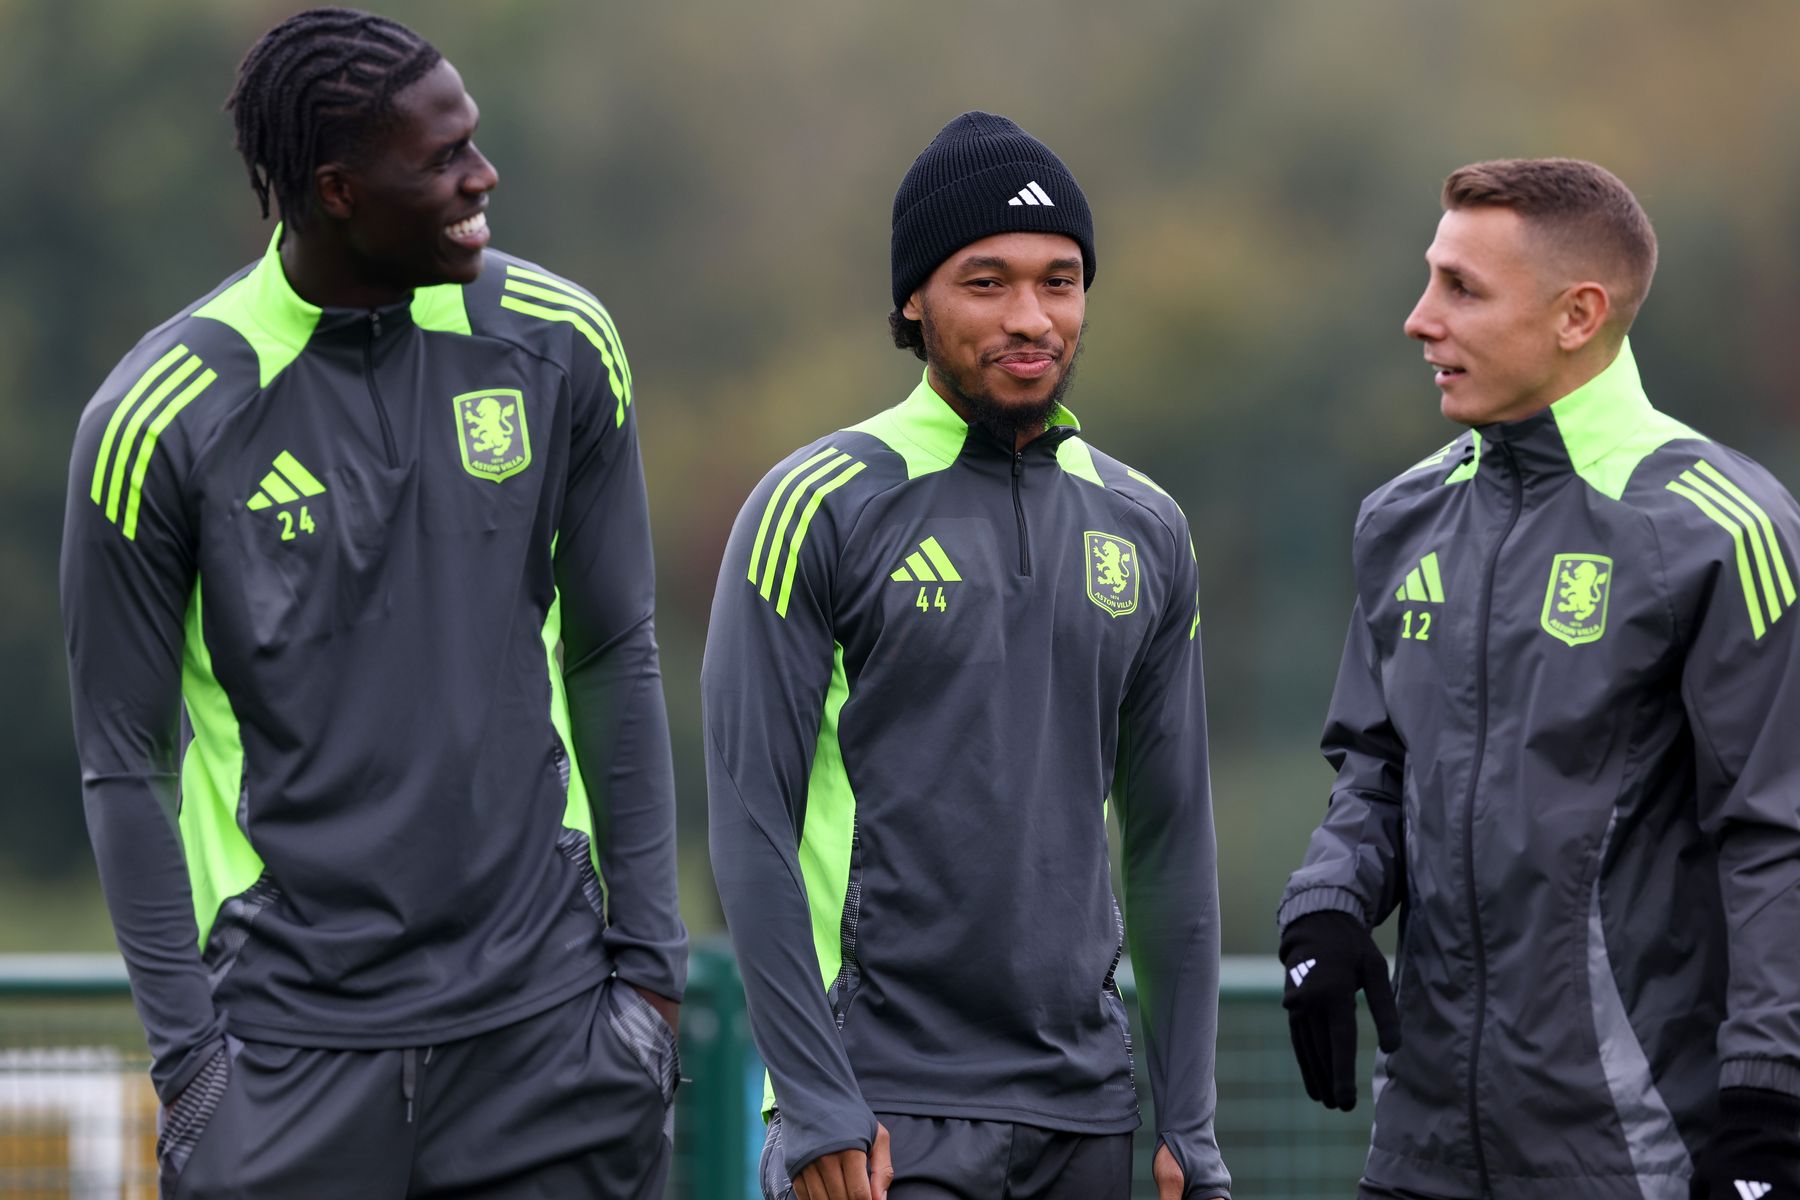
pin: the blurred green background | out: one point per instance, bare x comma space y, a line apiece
1264, 181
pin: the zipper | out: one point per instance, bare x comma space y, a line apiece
1019, 508
1481, 725
387, 430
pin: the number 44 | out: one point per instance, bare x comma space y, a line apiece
926, 604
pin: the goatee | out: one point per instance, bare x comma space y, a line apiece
1005, 420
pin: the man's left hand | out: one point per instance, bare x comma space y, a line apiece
1168, 1176
1754, 1151
669, 1010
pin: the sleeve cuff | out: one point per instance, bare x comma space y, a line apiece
1320, 899
1768, 1074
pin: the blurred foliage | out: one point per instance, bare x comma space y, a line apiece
1264, 178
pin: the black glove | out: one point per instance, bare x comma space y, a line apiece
1328, 956
1754, 1154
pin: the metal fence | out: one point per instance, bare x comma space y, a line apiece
78, 1119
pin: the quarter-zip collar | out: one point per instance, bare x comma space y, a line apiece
1578, 432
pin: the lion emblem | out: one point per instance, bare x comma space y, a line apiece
1581, 583
1109, 566
490, 426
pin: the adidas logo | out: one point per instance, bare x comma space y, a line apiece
288, 481
1423, 583
927, 564
1752, 1191
1032, 194
1302, 970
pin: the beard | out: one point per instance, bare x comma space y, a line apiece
1005, 419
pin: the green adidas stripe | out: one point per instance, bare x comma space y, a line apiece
1753, 536
762, 529
921, 570
299, 476
1762, 519
115, 487
812, 506
1434, 584
615, 379
1737, 537
142, 467
773, 560
940, 560
119, 414
569, 293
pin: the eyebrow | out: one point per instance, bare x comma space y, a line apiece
995, 263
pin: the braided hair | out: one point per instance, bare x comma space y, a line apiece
314, 89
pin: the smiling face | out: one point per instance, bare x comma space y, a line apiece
1002, 324
1502, 328
412, 205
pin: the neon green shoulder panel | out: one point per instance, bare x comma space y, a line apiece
1075, 458
267, 313
221, 861
921, 429
441, 309
1609, 428
1467, 470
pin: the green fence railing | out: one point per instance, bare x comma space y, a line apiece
77, 1118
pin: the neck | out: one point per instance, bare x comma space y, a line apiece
323, 270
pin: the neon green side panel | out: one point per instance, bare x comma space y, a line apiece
921, 429
441, 309
220, 860
267, 313
576, 813
1075, 458
1467, 471
825, 842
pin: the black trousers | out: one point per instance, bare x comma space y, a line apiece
945, 1158
574, 1101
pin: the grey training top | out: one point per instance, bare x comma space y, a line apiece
393, 568
1565, 737
931, 660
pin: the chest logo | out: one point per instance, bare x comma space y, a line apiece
288, 482
1576, 598
928, 565
1112, 572
491, 433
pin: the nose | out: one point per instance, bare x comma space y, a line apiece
1423, 323
482, 177
1026, 316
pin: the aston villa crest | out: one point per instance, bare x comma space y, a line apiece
1112, 572
1575, 602
491, 432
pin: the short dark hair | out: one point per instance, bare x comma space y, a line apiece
314, 89
908, 334
1581, 206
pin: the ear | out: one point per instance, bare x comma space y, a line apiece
333, 185
914, 308
1585, 309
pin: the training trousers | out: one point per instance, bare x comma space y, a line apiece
1376, 1191
572, 1102
944, 1158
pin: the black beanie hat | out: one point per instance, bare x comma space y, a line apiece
980, 176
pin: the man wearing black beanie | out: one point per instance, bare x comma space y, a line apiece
942, 639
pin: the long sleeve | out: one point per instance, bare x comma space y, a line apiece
1355, 861
128, 580
619, 726
1163, 793
764, 687
1741, 689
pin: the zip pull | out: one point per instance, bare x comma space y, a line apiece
1018, 463
374, 324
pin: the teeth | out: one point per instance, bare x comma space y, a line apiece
468, 228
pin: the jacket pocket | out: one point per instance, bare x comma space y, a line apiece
180, 1125
646, 1035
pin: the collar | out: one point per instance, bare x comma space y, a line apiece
1579, 430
